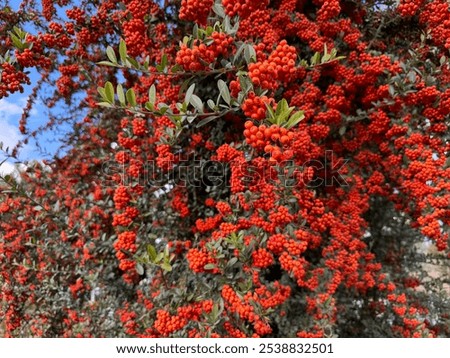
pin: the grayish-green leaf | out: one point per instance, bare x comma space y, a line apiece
109, 92
111, 54
209, 266
206, 121
224, 91
189, 93
152, 94
131, 97
123, 51
140, 269
121, 94
196, 102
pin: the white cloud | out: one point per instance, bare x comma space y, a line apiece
10, 113
8, 109
8, 168
9, 134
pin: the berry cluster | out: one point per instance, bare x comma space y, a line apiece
195, 10
201, 55
409, 7
243, 8
301, 205
12, 80
271, 139
278, 68
329, 10
254, 106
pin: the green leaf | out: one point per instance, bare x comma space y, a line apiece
206, 120
224, 91
109, 92
123, 51
282, 112
315, 60
152, 94
16, 41
196, 103
111, 54
211, 104
209, 30
218, 10
176, 68
238, 52
304, 63
326, 58
22, 34
270, 113
164, 62
166, 266
102, 92
249, 54
121, 94
151, 251
131, 62
296, 118
232, 261
131, 98
282, 106
245, 83
107, 63
195, 31
140, 269
189, 93
105, 104
209, 266
159, 257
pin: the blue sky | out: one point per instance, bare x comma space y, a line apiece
11, 109
10, 114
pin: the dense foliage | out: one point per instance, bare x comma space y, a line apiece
236, 168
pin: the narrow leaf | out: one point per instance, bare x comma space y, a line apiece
211, 104
224, 91
295, 119
111, 54
102, 93
123, 51
105, 104
131, 62
107, 63
249, 54
166, 266
121, 94
131, 97
209, 266
140, 269
197, 103
109, 92
151, 252
218, 9
152, 94
189, 93
205, 121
